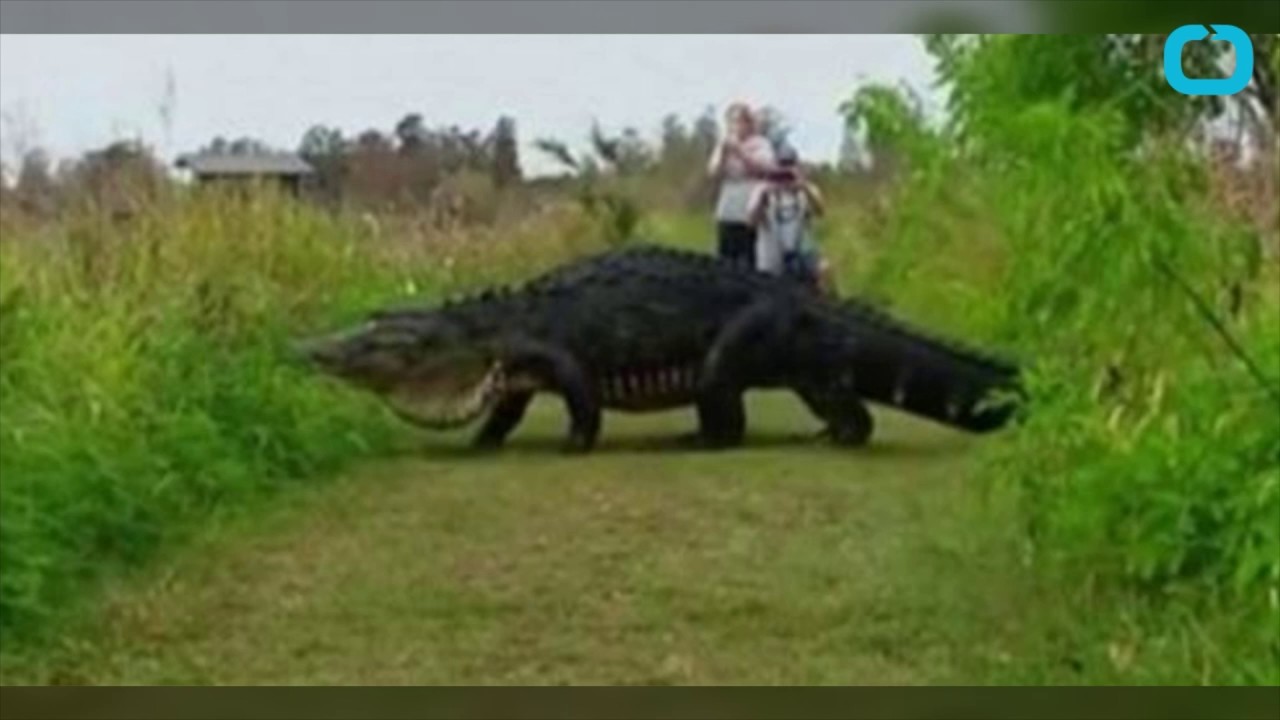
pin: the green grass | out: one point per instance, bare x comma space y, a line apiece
785, 562
169, 511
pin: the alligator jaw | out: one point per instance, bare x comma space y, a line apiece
407, 403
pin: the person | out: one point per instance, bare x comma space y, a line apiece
782, 211
739, 162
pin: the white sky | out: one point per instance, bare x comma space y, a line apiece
70, 93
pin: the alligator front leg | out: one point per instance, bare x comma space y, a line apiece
504, 418
558, 371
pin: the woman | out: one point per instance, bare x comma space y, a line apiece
740, 162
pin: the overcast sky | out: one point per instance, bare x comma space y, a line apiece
77, 92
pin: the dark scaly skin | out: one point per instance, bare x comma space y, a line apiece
649, 328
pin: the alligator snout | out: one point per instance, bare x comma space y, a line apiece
316, 352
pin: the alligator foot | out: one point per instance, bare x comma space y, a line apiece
846, 435
848, 421
578, 444
505, 416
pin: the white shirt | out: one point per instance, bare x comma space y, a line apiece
736, 187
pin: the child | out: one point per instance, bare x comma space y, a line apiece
782, 211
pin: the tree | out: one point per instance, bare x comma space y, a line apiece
115, 177
674, 140
889, 123
217, 146
34, 188
852, 156
240, 146
373, 141
248, 146
559, 152
705, 131
505, 150
320, 143
411, 133
324, 149
372, 170
625, 154
989, 74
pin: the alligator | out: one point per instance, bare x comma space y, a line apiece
648, 328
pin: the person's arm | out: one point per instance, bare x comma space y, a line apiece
716, 164
815, 199
721, 153
758, 158
756, 206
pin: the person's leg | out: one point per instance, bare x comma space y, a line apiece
731, 245
744, 244
769, 256
724, 236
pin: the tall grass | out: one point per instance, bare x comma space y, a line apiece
146, 378
1148, 465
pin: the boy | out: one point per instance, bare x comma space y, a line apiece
782, 211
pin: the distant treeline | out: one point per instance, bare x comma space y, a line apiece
406, 166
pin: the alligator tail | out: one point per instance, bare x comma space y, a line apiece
905, 368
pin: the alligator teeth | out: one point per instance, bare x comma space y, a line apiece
468, 407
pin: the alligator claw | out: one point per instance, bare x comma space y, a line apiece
845, 436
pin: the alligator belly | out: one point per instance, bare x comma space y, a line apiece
648, 390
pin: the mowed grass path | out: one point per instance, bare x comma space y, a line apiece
783, 562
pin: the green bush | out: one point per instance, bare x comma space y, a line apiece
145, 381
1148, 462
146, 378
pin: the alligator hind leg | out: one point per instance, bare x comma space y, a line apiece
504, 418
849, 422
740, 352
722, 420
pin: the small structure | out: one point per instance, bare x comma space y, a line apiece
287, 169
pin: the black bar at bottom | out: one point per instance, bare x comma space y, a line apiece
599, 703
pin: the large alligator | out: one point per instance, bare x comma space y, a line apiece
651, 328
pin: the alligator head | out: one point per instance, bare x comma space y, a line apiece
422, 364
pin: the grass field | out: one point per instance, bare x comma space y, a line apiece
784, 562
183, 503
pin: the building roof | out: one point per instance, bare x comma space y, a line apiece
260, 164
